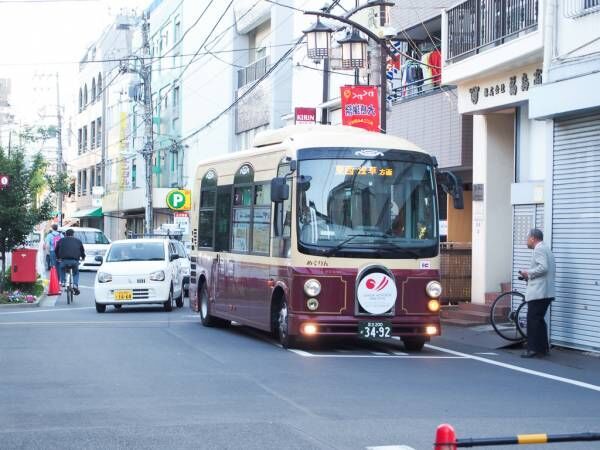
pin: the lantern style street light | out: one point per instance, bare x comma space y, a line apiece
354, 50
318, 40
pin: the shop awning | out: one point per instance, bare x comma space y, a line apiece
92, 212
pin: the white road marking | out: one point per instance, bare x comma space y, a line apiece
486, 353
306, 354
95, 322
47, 310
537, 373
390, 447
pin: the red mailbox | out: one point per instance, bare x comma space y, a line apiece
24, 265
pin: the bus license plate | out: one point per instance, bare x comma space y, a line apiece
123, 295
375, 330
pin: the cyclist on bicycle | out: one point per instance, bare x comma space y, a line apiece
68, 252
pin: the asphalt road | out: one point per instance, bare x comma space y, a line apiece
144, 378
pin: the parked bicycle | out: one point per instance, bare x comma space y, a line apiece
509, 316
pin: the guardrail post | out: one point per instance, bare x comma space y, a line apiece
445, 438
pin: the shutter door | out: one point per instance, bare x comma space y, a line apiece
525, 217
576, 232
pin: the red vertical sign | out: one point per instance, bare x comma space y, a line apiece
360, 107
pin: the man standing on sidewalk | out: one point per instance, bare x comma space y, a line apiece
540, 292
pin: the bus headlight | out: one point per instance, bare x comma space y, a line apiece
433, 289
431, 330
312, 304
312, 287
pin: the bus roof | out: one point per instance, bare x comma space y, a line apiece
311, 136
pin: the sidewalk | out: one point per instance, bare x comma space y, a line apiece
483, 340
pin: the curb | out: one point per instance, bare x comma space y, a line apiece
23, 305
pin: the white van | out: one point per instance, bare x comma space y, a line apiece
94, 242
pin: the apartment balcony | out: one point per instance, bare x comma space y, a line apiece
480, 36
253, 72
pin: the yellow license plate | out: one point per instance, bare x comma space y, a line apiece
123, 295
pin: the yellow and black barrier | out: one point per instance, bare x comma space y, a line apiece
446, 439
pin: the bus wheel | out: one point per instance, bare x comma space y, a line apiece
205, 317
413, 344
285, 339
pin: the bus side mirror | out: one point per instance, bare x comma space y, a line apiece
452, 185
280, 190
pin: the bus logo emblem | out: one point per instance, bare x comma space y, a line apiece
368, 153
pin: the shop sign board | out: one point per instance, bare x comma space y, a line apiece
498, 90
360, 107
305, 116
179, 199
182, 220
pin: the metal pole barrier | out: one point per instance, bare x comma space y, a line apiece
445, 440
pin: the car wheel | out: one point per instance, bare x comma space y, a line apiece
413, 344
118, 306
169, 303
283, 334
100, 308
179, 300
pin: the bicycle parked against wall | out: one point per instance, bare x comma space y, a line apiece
509, 316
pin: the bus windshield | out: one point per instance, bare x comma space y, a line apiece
374, 208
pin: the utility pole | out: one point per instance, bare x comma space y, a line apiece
146, 75
59, 152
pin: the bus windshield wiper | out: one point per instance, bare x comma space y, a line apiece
334, 249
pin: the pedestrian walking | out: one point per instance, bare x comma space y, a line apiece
51, 240
539, 294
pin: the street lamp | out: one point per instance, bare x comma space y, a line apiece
318, 38
354, 50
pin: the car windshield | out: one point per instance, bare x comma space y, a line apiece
136, 251
91, 237
376, 207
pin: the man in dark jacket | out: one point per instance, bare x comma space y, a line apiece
68, 252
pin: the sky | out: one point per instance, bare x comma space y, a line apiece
42, 37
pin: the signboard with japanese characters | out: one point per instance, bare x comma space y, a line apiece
304, 116
499, 90
360, 107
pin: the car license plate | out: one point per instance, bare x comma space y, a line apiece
123, 295
375, 330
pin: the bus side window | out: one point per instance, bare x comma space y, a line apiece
282, 219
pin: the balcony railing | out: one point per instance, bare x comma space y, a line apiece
253, 71
476, 25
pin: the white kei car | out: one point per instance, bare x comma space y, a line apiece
137, 272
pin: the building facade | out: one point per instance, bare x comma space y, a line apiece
89, 124
567, 107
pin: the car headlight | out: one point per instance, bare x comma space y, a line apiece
433, 289
312, 287
158, 275
104, 277
185, 271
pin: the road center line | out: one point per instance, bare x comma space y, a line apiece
548, 376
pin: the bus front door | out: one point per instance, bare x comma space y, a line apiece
222, 245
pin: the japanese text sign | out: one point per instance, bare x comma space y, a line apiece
360, 107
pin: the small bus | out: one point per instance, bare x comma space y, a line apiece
318, 231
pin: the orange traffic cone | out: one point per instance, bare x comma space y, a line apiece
53, 287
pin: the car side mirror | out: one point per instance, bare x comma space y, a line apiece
99, 259
280, 190
174, 257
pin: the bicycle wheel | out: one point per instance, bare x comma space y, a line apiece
503, 315
521, 319
69, 295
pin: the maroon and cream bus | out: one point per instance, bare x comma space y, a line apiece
320, 231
